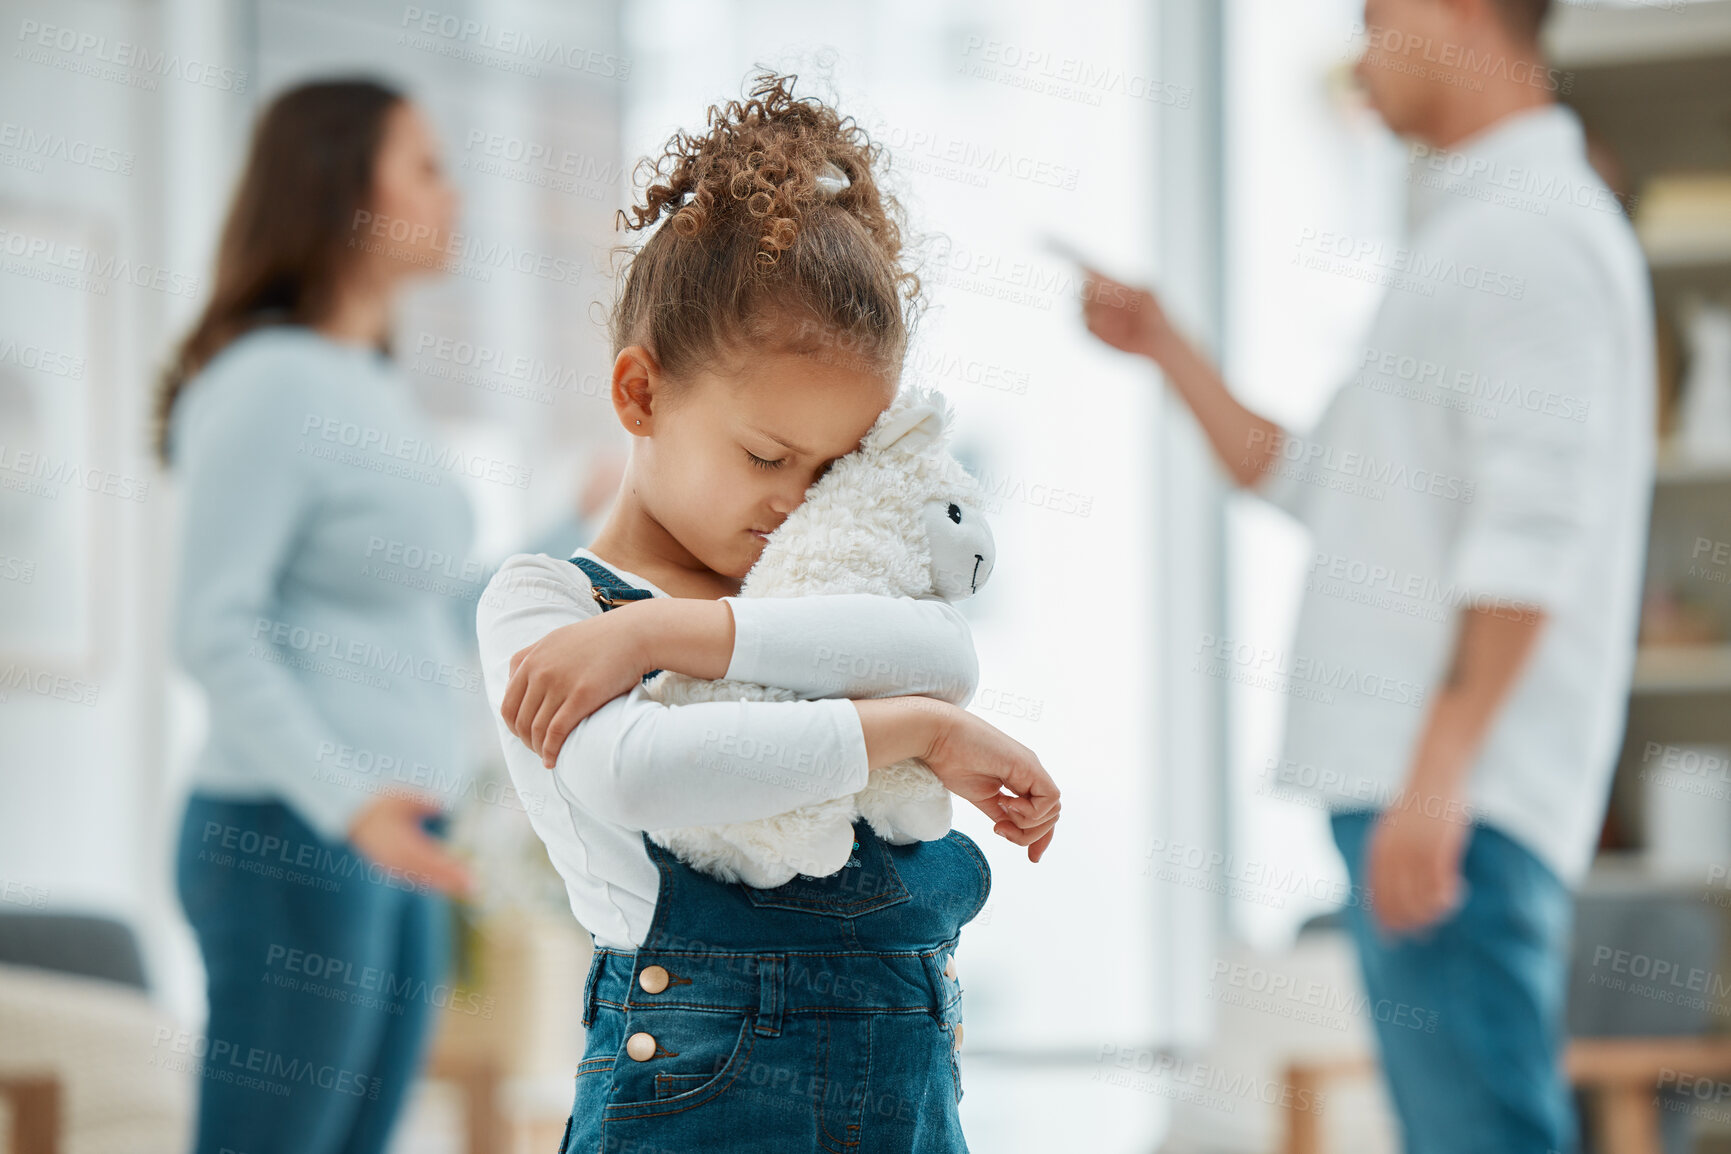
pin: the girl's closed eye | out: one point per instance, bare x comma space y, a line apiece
765, 464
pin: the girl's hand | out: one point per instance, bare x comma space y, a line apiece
569, 674
977, 761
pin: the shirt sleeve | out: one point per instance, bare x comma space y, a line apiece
246, 494
1288, 483
1281, 486
1539, 464
646, 766
854, 645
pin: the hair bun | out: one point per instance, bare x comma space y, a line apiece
765, 163
775, 236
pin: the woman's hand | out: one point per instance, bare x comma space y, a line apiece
1125, 317
569, 674
388, 832
972, 758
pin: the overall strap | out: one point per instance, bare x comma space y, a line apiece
611, 590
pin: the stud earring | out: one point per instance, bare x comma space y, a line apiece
639, 422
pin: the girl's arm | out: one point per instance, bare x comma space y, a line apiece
831, 646
644, 765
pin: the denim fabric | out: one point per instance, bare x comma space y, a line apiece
610, 585
1469, 1014
324, 973
813, 1016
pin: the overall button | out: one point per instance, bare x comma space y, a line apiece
653, 979
950, 966
640, 1046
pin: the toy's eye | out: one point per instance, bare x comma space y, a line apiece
955, 513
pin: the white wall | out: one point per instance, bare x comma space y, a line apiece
88, 158
1300, 155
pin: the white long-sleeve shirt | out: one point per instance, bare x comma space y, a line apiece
636, 765
1494, 451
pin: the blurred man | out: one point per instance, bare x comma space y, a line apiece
1477, 498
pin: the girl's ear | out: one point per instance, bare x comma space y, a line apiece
634, 374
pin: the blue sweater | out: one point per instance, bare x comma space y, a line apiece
325, 597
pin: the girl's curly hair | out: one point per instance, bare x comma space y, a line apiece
753, 249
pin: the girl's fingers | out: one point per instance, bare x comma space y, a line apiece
1020, 836
1027, 815
993, 807
543, 718
1027, 778
1036, 797
527, 708
513, 699
563, 723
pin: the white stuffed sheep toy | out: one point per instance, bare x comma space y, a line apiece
893, 517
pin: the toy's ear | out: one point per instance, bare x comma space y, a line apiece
912, 428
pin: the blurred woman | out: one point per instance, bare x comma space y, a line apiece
307, 475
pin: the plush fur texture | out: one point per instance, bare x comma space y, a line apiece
894, 517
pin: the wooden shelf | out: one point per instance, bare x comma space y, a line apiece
1632, 872
1642, 31
1682, 669
1707, 253
1621, 65
1673, 469
1651, 81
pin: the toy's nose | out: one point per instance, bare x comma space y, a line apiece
962, 548
985, 552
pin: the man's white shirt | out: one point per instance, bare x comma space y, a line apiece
1494, 449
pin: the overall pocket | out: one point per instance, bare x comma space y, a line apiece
696, 1057
850, 892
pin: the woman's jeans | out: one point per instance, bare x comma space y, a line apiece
324, 972
1469, 1013
823, 1014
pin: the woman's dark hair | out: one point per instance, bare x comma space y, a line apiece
755, 250
285, 244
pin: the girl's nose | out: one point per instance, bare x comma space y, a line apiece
787, 499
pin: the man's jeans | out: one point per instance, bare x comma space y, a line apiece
1469, 1013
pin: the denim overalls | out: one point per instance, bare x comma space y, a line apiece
823, 1014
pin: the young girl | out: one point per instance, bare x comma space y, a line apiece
759, 333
